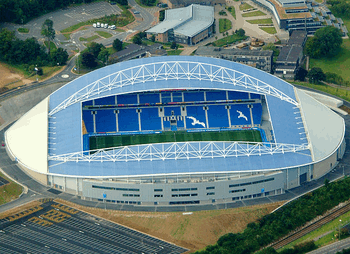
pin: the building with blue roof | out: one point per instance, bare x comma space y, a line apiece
301, 139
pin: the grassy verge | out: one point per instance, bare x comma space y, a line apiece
245, 6
229, 40
224, 25
9, 191
94, 37
123, 19
52, 45
146, 6
174, 52
339, 92
23, 30
323, 235
270, 30
339, 64
193, 231
232, 10
260, 21
253, 14
104, 34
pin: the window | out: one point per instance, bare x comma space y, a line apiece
158, 196
210, 188
210, 193
158, 189
234, 191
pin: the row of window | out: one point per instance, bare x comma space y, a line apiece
131, 195
234, 191
250, 183
121, 202
113, 188
185, 189
184, 195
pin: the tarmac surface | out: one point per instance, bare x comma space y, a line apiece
56, 228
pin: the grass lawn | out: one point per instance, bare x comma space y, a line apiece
97, 142
146, 6
174, 52
270, 30
94, 37
260, 21
224, 25
331, 227
67, 36
228, 40
23, 30
253, 14
339, 92
9, 191
232, 10
339, 64
104, 34
245, 6
52, 45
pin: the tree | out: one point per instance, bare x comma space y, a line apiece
271, 46
240, 32
137, 39
59, 56
153, 38
173, 45
95, 48
103, 56
300, 74
48, 31
117, 44
88, 60
315, 75
326, 42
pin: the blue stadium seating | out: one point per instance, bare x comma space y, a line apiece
110, 100
166, 97
198, 113
128, 120
105, 121
177, 111
149, 98
180, 124
255, 96
166, 124
234, 95
150, 119
217, 116
194, 96
88, 120
127, 99
86, 103
215, 95
234, 114
177, 97
257, 113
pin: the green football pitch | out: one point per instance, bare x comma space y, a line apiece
99, 142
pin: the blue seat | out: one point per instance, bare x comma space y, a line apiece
128, 120
215, 95
169, 110
199, 114
105, 121
237, 118
257, 113
110, 100
234, 95
217, 116
194, 96
149, 98
127, 99
88, 121
150, 119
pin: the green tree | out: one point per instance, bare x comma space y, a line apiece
153, 38
59, 56
95, 48
316, 75
117, 44
300, 74
161, 15
326, 42
173, 45
240, 32
88, 60
137, 39
271, 46
103, 56
48, 31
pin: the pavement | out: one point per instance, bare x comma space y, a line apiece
333, 248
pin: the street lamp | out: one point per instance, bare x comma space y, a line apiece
339, 229
36, 69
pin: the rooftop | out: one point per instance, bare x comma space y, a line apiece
187, 21
298, 37
217, 51
290, 54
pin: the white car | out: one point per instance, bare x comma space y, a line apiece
106, 25
94, 25
98, 24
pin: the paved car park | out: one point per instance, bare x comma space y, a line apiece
56, 228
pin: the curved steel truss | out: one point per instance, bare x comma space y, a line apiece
172, 70
181, 150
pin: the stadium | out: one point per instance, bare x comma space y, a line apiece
180, 130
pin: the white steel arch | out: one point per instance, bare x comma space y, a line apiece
172, 70
177, 151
